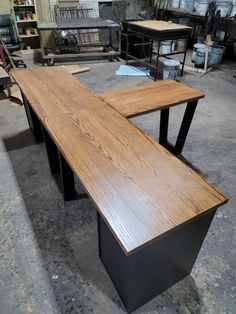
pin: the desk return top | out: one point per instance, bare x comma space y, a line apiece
134, 101
139, 188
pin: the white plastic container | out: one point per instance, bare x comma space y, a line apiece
182, 4
174, 3
201, 7
225, 7
174, 43
217, 52
200, 57
170, 69
233, 11
181, 44
166, 46
195, 48
189, 5
220, 35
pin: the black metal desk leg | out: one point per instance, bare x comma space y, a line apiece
164, 122
151, 49
183, 132
157, 60
127, 47
182, 69
33, 120
52, 152
67, 179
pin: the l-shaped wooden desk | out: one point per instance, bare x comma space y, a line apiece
153, 211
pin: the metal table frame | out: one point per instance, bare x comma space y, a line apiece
158, 36
79, 25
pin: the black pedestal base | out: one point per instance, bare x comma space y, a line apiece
149, 271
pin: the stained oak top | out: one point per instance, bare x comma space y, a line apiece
161, 26
139, 188
134, 101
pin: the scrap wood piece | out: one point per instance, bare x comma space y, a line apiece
16, 97
196, 70
75, 69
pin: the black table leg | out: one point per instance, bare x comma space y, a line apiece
127, 47
164, 122
157, 60
182, 69
183, 132
33, 120
58, 164
52, 152
67, 179
152, 269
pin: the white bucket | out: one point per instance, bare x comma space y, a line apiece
201, 7
182, 4
224, 7
174, 3
233, 12
195, 48
181, 44
217, 52
170, 69
174, 43
220, 35
200, 57
166, 46
189, 5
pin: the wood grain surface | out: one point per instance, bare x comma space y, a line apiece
160, 25
134, 101
48, 93
139, 188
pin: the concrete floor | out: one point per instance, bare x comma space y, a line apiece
48, 248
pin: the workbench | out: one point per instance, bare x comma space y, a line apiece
156, 31
80, 24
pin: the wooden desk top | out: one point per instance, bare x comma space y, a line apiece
161, 26
134, 101
139, 188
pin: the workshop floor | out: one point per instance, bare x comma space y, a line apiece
48, 248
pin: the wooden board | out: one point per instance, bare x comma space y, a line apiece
134, 101
75, 69
140, 189
161, 26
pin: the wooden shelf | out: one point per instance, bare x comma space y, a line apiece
28, 36
26, 21
22, 24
